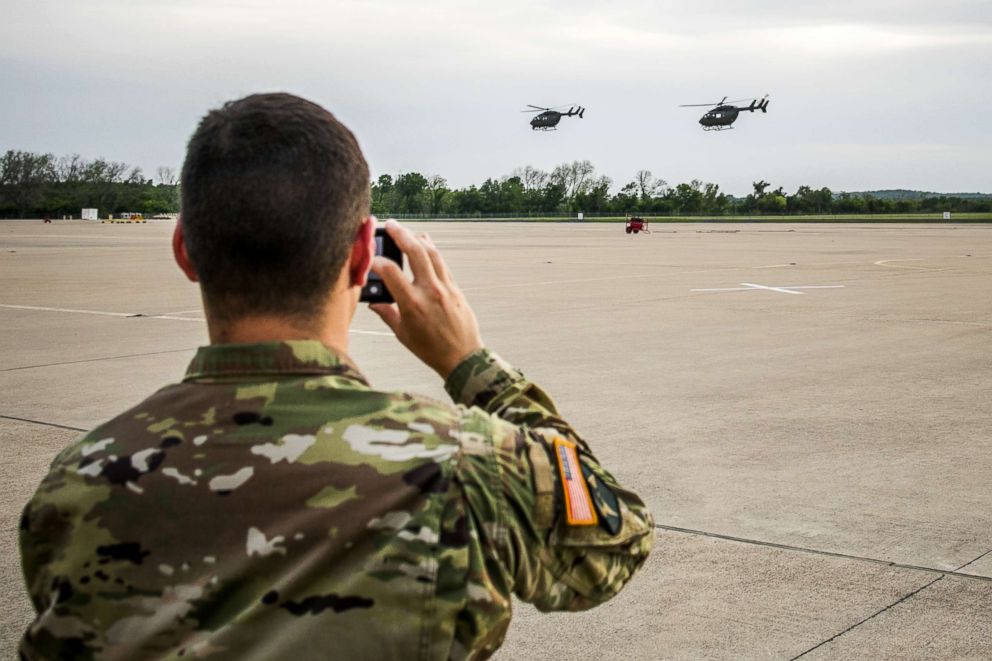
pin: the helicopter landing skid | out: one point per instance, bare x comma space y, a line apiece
545, 128
717, 128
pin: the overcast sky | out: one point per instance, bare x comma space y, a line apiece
865, 94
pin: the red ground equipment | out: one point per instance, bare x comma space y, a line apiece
635, 225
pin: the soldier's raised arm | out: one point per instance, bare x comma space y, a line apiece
568, 535
556, 527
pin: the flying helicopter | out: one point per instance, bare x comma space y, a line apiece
549, 117
724, 114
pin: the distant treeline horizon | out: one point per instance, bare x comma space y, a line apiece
34, 185
574, 187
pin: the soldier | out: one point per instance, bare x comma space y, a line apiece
274, 505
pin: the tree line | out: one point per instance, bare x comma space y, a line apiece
35, 185
573, 187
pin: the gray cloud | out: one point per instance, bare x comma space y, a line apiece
864, 94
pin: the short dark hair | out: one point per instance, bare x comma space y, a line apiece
274, 189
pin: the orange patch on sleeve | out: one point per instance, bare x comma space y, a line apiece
579, 510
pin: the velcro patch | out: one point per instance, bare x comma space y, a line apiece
578, 504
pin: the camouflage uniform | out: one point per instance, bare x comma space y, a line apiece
274, 506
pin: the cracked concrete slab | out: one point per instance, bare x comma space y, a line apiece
950, 619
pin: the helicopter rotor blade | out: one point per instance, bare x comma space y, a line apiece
745, 99
718, 103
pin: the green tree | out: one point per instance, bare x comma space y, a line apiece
627, 199
382, 195
512, 195
649, 187
714, 202
773, 203
687, 198
26, 177
437, 189
412, 195
573, 179
595, 196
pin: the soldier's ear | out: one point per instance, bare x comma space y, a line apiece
179, 252
362, 253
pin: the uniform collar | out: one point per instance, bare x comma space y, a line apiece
218, 361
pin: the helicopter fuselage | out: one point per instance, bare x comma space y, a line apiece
546, 121
720, 117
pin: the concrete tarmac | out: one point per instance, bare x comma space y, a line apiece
804, 407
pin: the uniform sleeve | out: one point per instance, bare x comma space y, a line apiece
32, 549
43, 527
513, 480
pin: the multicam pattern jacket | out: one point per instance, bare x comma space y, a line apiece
274, 506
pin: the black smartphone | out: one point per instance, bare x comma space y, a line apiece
375, 290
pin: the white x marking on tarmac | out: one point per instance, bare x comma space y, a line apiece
788, 289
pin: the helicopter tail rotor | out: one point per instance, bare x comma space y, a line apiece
582, 111
764, 104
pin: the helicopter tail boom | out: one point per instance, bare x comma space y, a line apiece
757, 105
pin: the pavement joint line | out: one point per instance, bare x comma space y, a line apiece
99, 237
139, 315
870, 617
894, 604
94, 360
44, 309
42, 422
973, 561
939, 321
957, 573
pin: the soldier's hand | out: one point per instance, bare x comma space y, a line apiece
431, 316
